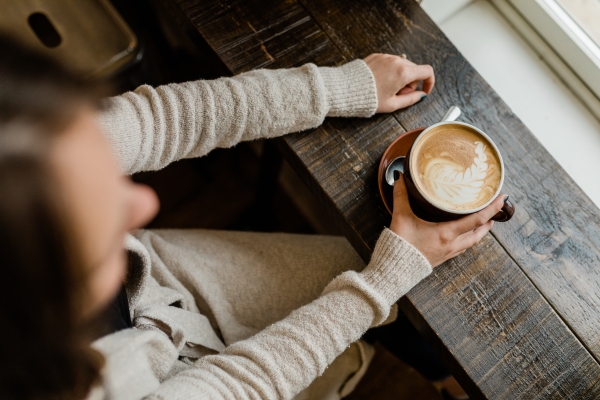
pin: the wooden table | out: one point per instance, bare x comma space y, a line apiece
517, 316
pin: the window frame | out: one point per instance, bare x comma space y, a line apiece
561, 33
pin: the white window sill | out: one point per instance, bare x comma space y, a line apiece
568, 130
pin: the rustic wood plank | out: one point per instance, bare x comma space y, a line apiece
493, 327
216, 20
507, 338
491, 323
336, 163
274, 37
555, 234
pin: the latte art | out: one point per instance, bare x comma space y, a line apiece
456, 167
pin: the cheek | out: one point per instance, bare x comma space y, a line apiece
106, 281
143, 205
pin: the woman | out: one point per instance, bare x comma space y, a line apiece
206, 314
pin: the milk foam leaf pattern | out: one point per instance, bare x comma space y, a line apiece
450, 183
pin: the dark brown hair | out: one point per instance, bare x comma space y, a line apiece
44, 346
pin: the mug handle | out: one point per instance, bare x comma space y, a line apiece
506, 213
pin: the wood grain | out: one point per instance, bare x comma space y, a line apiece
275, 37
554, 236
483, 310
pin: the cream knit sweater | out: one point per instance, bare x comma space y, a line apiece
189, 343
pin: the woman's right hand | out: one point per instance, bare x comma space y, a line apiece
396, 81
442, 241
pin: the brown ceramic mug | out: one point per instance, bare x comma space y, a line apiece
453, 169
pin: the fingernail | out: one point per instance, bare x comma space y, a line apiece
422, 97
396, 175
506, 199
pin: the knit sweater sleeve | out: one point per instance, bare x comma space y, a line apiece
150, 128
286, 357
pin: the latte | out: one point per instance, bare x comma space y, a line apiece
455, 167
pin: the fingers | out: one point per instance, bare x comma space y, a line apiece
478, 219
470, 239
458, 253
411, 75
408, 99
419, 73
408, 88
401, 204
397, 80
429, 83
411, 87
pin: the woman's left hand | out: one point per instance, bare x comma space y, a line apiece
396, 79
441, 241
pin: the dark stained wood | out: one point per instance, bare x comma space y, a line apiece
275, 37
337, 164
512, 343
554, 236
491, 312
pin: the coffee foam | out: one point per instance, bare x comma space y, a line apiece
456, 167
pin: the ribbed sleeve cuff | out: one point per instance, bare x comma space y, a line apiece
396, 267
350, 89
